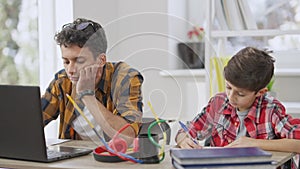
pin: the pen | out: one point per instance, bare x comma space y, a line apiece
82, 114
186, 130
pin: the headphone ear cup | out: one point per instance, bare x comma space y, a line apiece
118, 145
136, 144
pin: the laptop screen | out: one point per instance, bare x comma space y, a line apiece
21, 123
22, 128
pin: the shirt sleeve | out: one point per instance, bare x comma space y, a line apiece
285, 125
127, 94
201, 125
52, 100
49, 103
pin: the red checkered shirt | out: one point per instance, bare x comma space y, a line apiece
266, 119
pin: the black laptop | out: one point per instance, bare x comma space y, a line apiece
21, 127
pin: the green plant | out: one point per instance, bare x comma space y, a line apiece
270, 85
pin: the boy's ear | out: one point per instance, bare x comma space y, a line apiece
101, 59
262, 91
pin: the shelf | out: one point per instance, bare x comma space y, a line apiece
265, 32
202, 72
183, 73
292, 107
287, 72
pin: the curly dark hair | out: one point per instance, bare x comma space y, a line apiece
250, 69
83, 33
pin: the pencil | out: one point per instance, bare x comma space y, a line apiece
186, 130
82, 114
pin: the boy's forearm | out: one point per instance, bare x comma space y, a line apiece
286, 145
109, 122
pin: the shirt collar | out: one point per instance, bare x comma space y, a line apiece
228, 109
253, 113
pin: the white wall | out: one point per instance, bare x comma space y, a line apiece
138, 33
145, 34
286, 85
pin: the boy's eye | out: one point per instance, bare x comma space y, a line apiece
66, 62
240, 94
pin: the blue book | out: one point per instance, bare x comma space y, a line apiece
258, 165
220, 156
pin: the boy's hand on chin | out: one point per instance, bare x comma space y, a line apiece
87, 78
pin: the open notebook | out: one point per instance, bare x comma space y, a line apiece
21, 127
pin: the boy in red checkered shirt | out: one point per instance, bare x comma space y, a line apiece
245, 115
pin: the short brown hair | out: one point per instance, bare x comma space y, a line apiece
91, 35
250, 69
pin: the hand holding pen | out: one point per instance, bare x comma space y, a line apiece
183, 126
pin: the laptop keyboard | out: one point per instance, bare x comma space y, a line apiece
54, 154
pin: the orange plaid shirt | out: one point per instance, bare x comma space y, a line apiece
119, 90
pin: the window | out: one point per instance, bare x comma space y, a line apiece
274, 14
28, 53
19, 63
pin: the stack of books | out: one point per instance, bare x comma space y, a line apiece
220, 158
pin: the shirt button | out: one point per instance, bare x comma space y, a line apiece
236, 123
